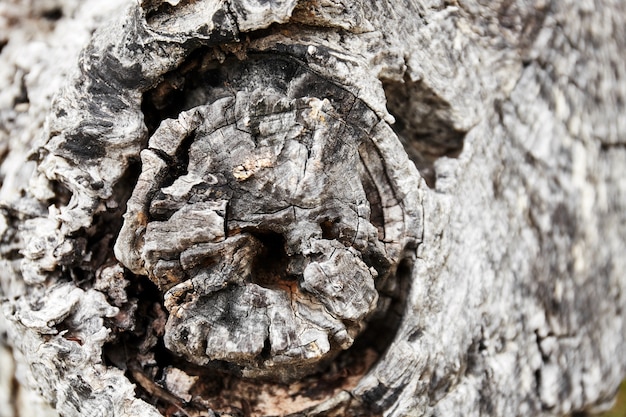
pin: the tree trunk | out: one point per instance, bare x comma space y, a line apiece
312, 208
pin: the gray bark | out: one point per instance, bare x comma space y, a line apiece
313, 208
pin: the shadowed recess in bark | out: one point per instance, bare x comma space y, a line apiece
156, 370
265, 215
423, 124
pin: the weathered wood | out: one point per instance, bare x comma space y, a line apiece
315, 207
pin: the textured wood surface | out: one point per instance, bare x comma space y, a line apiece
313, 207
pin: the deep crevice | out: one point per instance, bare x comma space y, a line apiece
266, 352
424, 124
269, 267
168, 98
22, 97
329, 229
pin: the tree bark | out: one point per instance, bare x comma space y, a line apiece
313, 208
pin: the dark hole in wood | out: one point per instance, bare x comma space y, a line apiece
267, 349
423, 124
383, 326
184, 334
62, 194
329, 229
168, 98
10, 240
177, 167
53, 14
269, 267
81, 277
106, 224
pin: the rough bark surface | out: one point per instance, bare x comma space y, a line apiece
312, 208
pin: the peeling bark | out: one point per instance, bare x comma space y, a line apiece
314, 208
